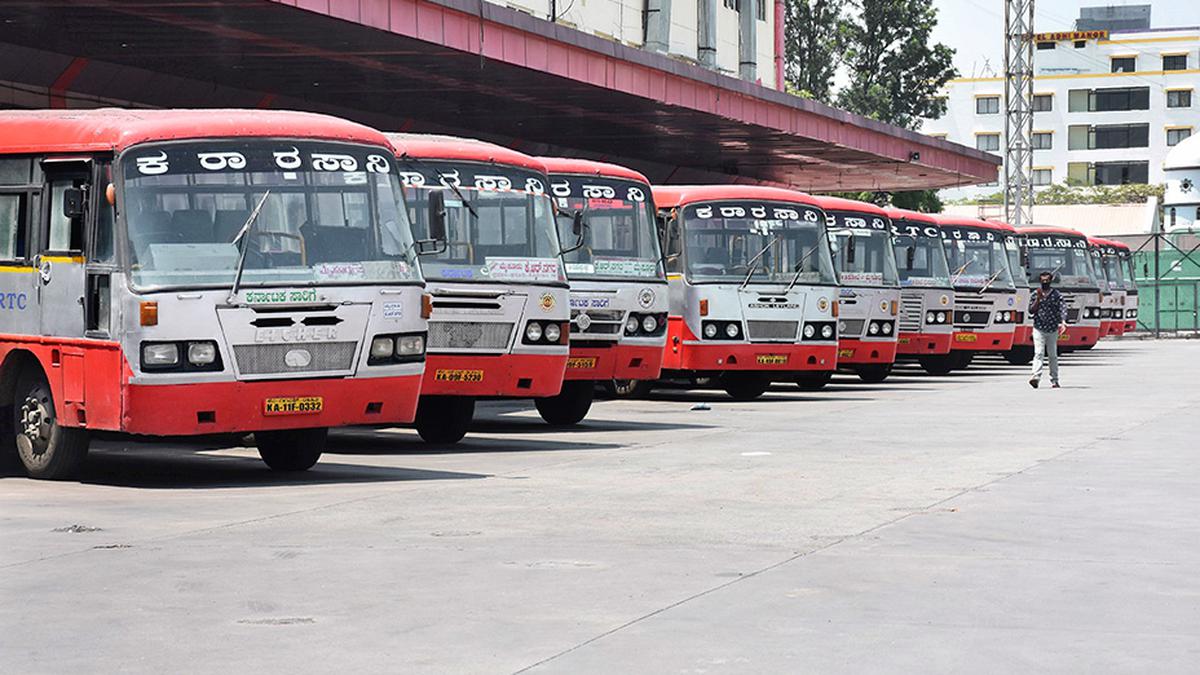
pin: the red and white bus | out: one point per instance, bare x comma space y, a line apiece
618, 283
1125, 254
985, 294
926, 296
500, 305
1023, 322
1114, 262
753, 291
1064, 253
1111, 291
869, 295
177, 272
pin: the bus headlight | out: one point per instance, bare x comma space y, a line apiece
887, 328
809, 331
160, 355
941, 317
410, 345
201, 353
649, 323
552, 332
383, 347
710, 330
396, 348
931, 318
732, 330
631, 325
873, 329
533, 332
827, 331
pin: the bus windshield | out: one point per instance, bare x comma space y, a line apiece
499, 221
920, 259
765, 242
1019, 274
1130, 277
619, 239
327, 213
977, 259
1113, 270
862, 250
1098, 271
1067, 258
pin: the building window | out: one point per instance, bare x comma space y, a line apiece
1080, 44
1043, 177
987, 142
1120, 136
1176, 135
987, 105
1108, 100
1120, 173
1124, 64
1180, 98
1046, 45
1043, 102
1175, 62
1043, 140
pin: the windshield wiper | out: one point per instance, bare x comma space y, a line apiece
799, 269
753, 260
453, 186
959, 272
244, 233
991, 280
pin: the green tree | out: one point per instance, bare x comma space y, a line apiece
894, 66
812, 42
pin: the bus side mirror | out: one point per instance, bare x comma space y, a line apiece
910, 257
73, 203
437, 215
850, 248
577, 224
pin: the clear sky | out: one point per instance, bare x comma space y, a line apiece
975, 28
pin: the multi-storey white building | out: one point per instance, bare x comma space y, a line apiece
1108, 106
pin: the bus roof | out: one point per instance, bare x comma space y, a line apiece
839, 204
437, 146
947, 220
1051, 229
586, 167
914, 216
114, 129
1100, 241
669, 196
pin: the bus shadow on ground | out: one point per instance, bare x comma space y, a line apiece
778, 393
365, 441
153, 466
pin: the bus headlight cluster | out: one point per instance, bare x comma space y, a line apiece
184, 355
545, 332
1007, 316
645, 325
935, 317
1091, 313
396, 348
722, 330
1131, 314
884, 328
819, 330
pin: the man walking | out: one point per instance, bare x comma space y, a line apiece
1049, 321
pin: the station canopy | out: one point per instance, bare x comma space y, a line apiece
466, 67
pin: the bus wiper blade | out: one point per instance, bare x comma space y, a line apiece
244, 234
991, 280
960, 271
453, 186
753, 260
799, 269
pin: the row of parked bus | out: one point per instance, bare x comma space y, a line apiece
174, 273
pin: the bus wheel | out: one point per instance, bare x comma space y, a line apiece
291, 449
874, 373
960, 360
631, 388
1021, 355
444, 419
936, 364
745, 386
47, 450
813, 380
570, 406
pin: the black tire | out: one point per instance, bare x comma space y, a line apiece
10, 465
703, 382
291, 449
1021, 355
873, 373
813, 380
936, 364
571, 404
960, 360
631, 388
745, 386
444, 419
47, 450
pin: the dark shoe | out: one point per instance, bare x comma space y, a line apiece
1055, 386
1034, 383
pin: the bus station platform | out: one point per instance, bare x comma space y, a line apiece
938, 524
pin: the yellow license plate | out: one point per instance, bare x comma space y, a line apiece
845, 353
455, 375
904, 341
1063, 337
966, 337
772, 359
293, 405
581, 362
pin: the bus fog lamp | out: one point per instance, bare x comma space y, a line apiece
552, 332
160, 355
201, 353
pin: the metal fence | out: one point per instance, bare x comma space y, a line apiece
1167, 268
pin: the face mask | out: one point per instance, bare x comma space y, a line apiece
1045, 285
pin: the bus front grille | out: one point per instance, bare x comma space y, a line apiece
598, 323
850, 327
972, 317
469, 335
272, 359
912, 309
772, 330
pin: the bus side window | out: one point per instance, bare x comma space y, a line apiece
14, 227
66, 234
672, 243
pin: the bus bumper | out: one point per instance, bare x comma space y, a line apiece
866, 351
972, 341
761, 357
517, 375
1023, 336
1079, 336
622, 362
240, 407
1130, 326
924, 343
